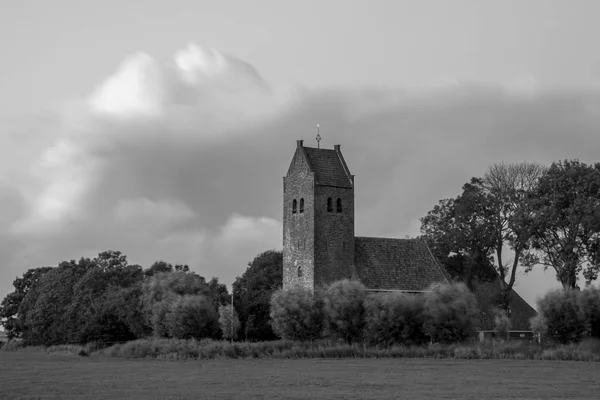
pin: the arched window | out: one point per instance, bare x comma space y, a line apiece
294, 206
301, 205
330, 205
339, 205
299, 272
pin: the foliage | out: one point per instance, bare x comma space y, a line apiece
393, 319
539, 326
502, 324
252, 294
450, 313
10, 304
175, 349
563, 315
567, 222
459, 235
229, 322
344, 309
470, 233
191, 316
589, 300
297, 313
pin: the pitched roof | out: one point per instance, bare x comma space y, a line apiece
521, 311
329, 167
396, 264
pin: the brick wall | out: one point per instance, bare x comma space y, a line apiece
334, 235
298, 228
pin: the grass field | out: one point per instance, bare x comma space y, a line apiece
37, 375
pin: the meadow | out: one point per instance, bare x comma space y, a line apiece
39, 375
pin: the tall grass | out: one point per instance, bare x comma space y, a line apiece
173, 349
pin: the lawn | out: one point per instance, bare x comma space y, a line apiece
30, 375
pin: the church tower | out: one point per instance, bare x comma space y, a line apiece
318, 218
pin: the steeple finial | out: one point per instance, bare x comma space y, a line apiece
318, 138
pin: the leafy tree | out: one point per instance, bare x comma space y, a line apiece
344, 309
470, 234
297, 313
450, 313
162, 291
10, 304
229, 322
219, 295
191, 316
460, 235
565, 319
41, 313
589, 301
567, 222
91, 307
394, 318
158, 267
252, 294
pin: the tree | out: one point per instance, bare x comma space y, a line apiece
564, 317
42, 311
567, 222
509, 188
91, 309
10, 304
394, 318
470, 234
297, 313
191, 316
460, 236
229, 322
450, 313
252, 294
219, 295
161, 292
344, 309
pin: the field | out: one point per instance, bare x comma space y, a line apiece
37, 375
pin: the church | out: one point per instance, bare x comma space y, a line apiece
319, 245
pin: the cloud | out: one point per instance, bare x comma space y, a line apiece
183, 160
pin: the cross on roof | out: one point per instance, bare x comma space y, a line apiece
318, 138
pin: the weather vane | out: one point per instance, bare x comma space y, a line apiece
318, 138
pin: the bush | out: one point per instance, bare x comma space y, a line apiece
539, 326
229, 324
191, 317
344, 309
589, 301
297, 313
563, 314
450, 313
502, 324
394, 318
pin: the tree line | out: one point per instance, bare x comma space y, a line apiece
538, 215
520, 215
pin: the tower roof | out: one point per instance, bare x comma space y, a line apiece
329, 167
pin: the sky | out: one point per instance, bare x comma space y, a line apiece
163, 129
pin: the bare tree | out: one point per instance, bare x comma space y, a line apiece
510, 187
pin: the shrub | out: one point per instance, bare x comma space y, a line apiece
450, 313
191, 317
502, 324
564, 316
589, 301
228, 322
344, 309
539, 326
394, 318
297, 313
